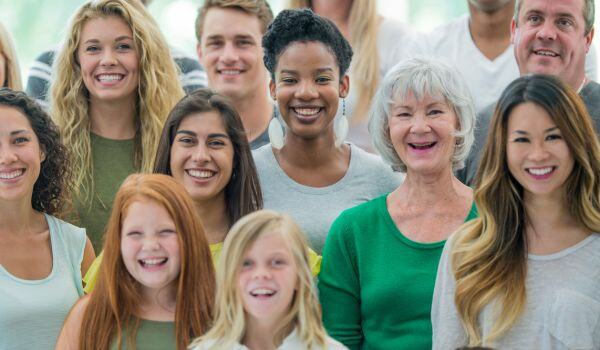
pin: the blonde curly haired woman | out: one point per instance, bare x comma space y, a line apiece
115, 85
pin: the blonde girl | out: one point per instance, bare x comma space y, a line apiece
115, 84
266, 298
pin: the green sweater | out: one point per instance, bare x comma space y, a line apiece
151, 335
376, 285
112, 162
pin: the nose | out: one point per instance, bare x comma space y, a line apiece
201, 153
420, 124
108, 58
306, 90
230, 54
538, 152
7, 155
546, 31
261, 272
150, 243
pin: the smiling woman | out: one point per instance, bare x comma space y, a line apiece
115, 84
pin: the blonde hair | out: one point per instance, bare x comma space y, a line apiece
13, 72
305, 312
364, 26
489, 256
158, 88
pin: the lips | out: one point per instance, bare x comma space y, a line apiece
11, 174
230, 72
152, 262
541, 173
202, 174
262, 293
545, 53
306, 113
109, 78
422, 145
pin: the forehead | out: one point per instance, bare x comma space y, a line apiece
230, 22
12, 119
107, 27
553, 7
208, 121
268, 243
306, 55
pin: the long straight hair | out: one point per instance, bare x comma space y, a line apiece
158, 89
489, 257
117, 296
13, 72
305, 311
364, 70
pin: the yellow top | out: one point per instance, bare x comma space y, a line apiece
215, 250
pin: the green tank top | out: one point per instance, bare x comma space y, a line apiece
151, 335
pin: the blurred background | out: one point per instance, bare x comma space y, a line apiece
38, 25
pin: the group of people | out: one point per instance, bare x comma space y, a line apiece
342, 182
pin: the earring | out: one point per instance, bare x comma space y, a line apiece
276, 133
340, 126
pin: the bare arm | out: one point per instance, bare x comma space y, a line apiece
88, 256
68, 338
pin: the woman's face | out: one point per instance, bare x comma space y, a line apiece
202, 155
307, 88
537, 155
20, 156
422, 133
150, 245
267, 278
108, 59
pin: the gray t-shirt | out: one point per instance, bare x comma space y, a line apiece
562, 310
315, 208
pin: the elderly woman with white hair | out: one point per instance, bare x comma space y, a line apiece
380, 258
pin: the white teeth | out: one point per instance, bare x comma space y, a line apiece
307, 111
153, 262
11, 175
110, 77
203, 174
262, 292
546, 53
540, 171
230, 72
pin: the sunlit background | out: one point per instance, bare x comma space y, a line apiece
38, 25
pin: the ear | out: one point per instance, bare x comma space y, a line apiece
199, 51
42, 155
272, 87
588, 39
344, 86
514, 31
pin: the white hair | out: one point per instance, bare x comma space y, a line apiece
421, 76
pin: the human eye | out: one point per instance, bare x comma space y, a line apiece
92, 48
323, 79
124, 46
247, 263
552, 137
20, 140
244, 42
214, 43
186, 140
534, 19
133, 234
287, 80
521, 139
564, 22
435, 112
216, 143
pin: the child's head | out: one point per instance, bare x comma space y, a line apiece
154, 242
264, 276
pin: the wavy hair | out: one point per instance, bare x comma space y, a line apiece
489, 256
51, 191
13, 72
114, 302
242, 192
364, 25
305, 311
158, 88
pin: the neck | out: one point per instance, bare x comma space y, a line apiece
311, 153
491, 30
113, 120
433, 189
158, 304
259, 334
17, 217
338, 11
548, 217
215, 220
255, 112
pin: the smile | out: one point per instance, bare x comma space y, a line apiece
230, 72
9, 175
109, 78
307, 112
546, 53
541, 173
262, 293
153, 262
422, 145
200, 174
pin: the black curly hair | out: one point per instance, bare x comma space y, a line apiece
50, 191
303, 25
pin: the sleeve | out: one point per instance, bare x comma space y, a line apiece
448, 332
339, 288
91, 276
591, 63
192, 75
38, 80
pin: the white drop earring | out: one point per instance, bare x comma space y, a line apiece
340, 126
276, 136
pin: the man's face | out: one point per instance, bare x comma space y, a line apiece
550, 39
489, 5
230, 51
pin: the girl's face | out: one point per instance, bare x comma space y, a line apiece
268, 278
202, 155
150, 245
307, 88
20, 155
538, 156
108, 59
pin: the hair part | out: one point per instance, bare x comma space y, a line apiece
489, 257
158, 88
242, 192
305, 312
113, 305
589, 12
422, 76
258, 8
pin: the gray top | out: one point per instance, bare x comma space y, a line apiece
590, 94
562, 310
315, 208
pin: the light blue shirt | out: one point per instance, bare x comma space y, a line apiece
32, 311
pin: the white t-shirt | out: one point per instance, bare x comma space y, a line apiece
486, 79
292, 342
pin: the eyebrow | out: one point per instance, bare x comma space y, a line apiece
522, 132
95, 41
191, 133
17, 132
318, 70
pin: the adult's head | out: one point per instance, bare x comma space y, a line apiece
10, 74
301, 311
118, 294
307, 58
553, 37
113, 52
488, 6
204, 147
553, 150
422, 116
30, 148
229, 33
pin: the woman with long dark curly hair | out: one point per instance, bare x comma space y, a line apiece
42, 258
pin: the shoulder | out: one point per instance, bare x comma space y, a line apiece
263, 155
354, 219
68, 233
372, 167
393, 29
590, 95
453, 29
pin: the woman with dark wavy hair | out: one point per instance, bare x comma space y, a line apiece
42, 258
